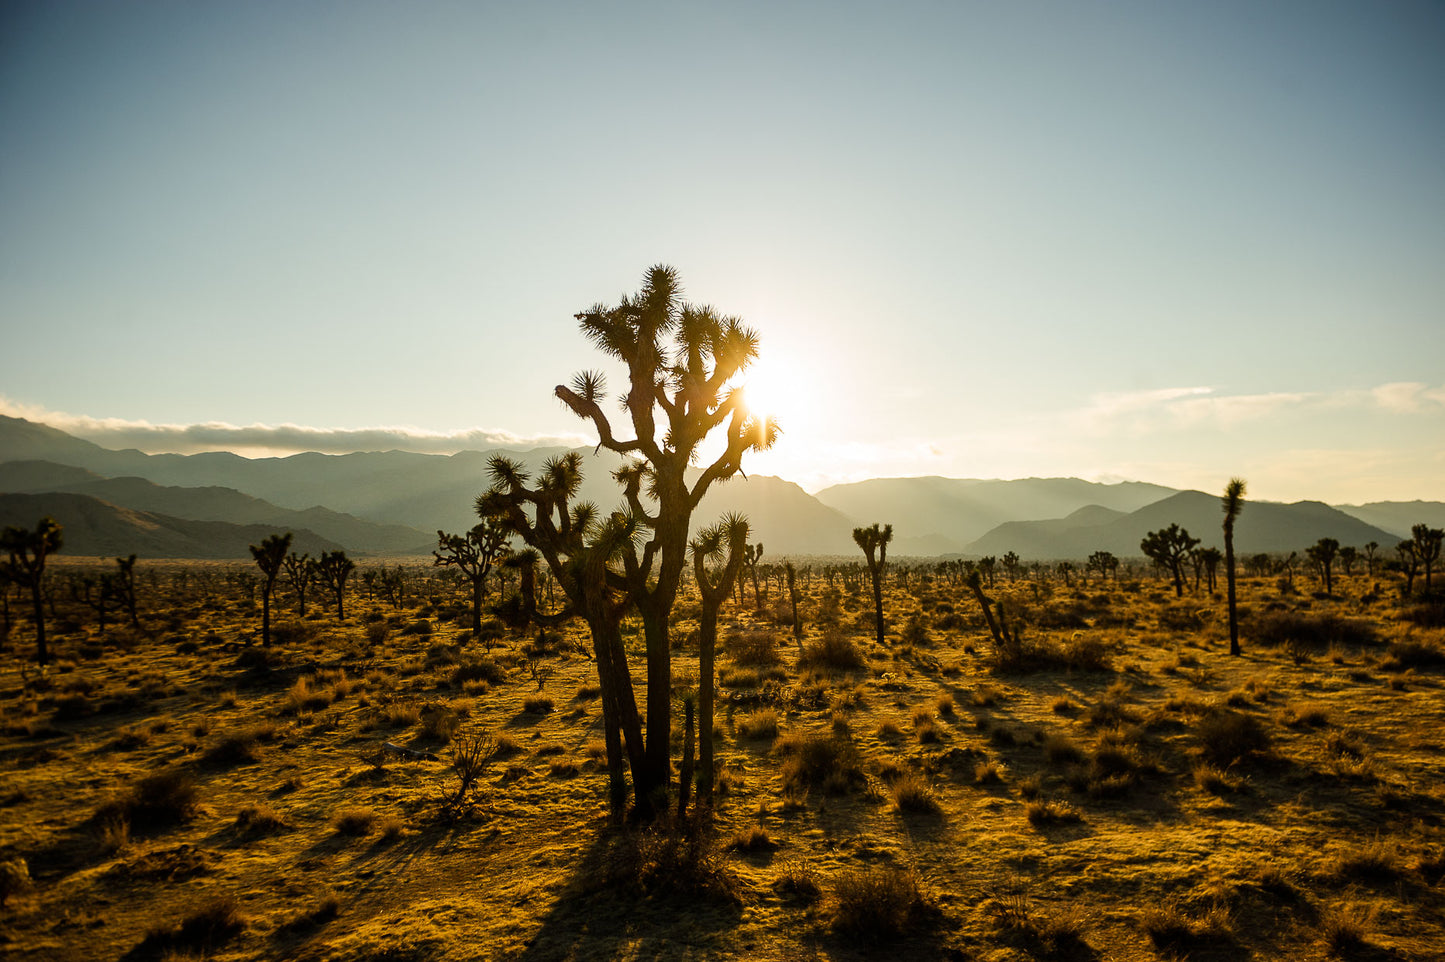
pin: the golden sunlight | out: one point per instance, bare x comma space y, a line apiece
771, 392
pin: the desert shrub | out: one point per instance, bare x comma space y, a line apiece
1344, 929
672, 856
478, 669
1060, 615
156, 801
1059, 750
1182, 618
1214, 780
1376, 862
258, 819
818, 760
1426, 614
241, 747
303, 697
211, 925
1226, 736
538, 705
878, 903
400, 715
1305, 631
798, 881
1410, 653
1171, 929
833, 651
758, 648
1298, 714
753, 838
440, 722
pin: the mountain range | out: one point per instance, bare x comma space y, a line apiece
392, 504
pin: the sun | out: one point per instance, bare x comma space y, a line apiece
772, 392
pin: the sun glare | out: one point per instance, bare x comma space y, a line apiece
771, 393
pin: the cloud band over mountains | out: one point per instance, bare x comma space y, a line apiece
278, 440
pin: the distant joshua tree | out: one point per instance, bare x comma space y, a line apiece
1105, 563
333, 568
792, 575
1011, 565
301, 575
25, 567
1370, 550
1170, 548
1349, 555
472, 554
1409, 563
1207, 560
270, 555
1232, 503
874, 542
724, 542
1322, 554
752, 554
1427, 548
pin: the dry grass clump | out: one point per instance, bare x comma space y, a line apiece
753, 838
1047, 811
1172, 929
1298, 714
762, 723
1060, 750
878, 903
354, 820
259, 819
538, 705
824, 761
1304, 631
797, 880
912, 794
672, 856
1345, 928
473, 670
1376, 862
1216, 781
832, 652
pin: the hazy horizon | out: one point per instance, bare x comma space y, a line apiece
1165, 244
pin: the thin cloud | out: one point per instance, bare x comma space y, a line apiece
276, 439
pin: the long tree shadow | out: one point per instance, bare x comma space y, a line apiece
640, 894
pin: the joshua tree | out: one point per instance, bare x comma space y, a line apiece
988, 567
1409, 563
472, 554
1233, 503
681, 362
301, 575
795, 602
1168, 548
874, 542
270, 555
752, 554
333, 568
1207, 560
1323, 553
25, 567
1348, 556
1105, 563
1370, 549
1427, 548
123, 584
717, 557
1011, 565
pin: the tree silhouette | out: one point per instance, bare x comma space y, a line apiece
301, 575
587, 555
333, 568
1169, 548
472, 554
25, 567
752, 554
681, 361
1348, 556
1408, 553
1427, 548
1207, 560
717, 558
1371, 547
1105, 563
1322, 553
270, 555
1232, 503
124, 586
874, 542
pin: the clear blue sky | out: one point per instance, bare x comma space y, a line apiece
1165, 241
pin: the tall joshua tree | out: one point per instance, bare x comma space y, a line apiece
472, 554
270, 555
874, 542
724, 542
1170, 548
584, 552
1232, 503
301, 575
1323, 553
25, 567
681, 363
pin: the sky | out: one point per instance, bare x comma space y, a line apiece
1154, 241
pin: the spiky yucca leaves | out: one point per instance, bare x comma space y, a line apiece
874, 542
1233, 503
473, 554
681, 362
586, 554
270, 555
717, 558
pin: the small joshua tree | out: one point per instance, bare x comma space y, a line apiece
472, 554
752, 554
874, 542
270, 555
1427, 548
123, 583
301, 575
1170, 548
1232, 503
724, 542
25, 567
795, 601
334, 568
1323, 553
